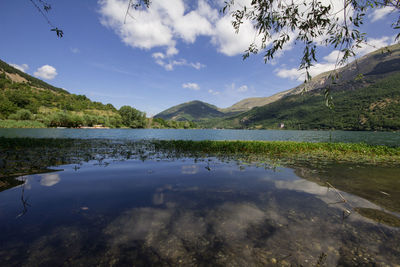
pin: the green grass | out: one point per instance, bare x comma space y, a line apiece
21, 124
287, 151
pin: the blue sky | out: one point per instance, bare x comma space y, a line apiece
175, 52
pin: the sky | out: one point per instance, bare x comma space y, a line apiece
176, 51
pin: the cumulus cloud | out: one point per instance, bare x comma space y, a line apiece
167, 22
46, 72
23, 67
380, 13
192, 86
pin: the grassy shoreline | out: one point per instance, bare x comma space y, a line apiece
288, 150
29, 155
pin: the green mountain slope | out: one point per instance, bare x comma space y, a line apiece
249, 103
25, 98
191, 111
377, 63
373, 107
31, 81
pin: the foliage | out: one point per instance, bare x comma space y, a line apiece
160, 123
21, 124
306, 22
39, 153
45, 105
191, 111
32, 81
21, 115
132, 117
375, 107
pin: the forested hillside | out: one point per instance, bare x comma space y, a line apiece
375, 107
191, 111
29, 102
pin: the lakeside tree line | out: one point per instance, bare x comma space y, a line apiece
29, 104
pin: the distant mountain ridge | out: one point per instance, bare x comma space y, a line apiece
191, 111
380, 66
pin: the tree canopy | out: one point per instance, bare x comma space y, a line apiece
309, 22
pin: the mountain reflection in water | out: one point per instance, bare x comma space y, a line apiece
186, 212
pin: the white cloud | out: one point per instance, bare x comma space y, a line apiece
230, 43
232, 88
23, 67
170, 64
197, 65
49, 179
192, 86
158, 55
380, 13
243, 88
213, 92
46, 72
374, 44
166, 22
171, 51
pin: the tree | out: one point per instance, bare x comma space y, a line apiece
132, 117
310, 22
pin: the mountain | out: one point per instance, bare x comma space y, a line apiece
30, 102
18, 76
379, 62
249, 103
191, 111
366, 96
373, 107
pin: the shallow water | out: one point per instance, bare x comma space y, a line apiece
375, 138
187, 212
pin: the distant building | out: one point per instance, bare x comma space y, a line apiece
281, 125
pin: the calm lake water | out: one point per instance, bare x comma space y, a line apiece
189, 212
165, 211
380, 138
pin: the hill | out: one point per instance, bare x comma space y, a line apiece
191, 111
365, 92
249, 103
18, 76
27, 102
378, 62
366, 96
373, 107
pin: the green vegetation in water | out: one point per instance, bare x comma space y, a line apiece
335, 163
379, 216
21, 124
287, 151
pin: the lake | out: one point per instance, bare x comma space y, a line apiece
155, 209
376, 138
188, 212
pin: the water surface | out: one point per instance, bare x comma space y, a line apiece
377, 138
187, 212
